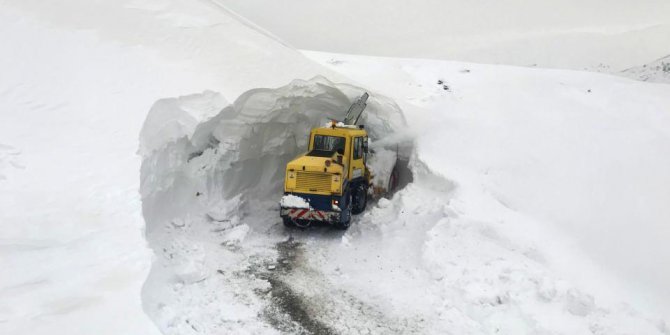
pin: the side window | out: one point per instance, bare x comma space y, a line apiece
358, 148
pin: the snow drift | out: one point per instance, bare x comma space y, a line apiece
580, 159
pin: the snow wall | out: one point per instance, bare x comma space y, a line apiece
201, 147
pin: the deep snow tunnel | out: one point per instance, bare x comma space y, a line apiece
209, 162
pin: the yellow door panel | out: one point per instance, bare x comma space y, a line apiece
357, 166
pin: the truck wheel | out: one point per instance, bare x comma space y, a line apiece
360, 199
393, 180
344, 224
288, 222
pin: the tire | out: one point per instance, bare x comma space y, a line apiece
301, 223
344, 225
359, 199
296, 223
393, 181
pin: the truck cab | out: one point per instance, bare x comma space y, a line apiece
330, 181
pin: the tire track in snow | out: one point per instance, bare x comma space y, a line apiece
303, 301
289, 311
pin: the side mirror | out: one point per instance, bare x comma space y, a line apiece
365, 145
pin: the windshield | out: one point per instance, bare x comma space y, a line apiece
329, 143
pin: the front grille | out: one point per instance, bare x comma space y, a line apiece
313, 182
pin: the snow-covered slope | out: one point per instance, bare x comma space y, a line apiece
583, 153
201, 38
597, 35
657, 71
78, 78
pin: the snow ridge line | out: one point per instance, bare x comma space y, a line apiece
249, 23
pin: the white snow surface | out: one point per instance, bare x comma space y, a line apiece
538, 202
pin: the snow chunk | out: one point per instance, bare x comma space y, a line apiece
340, 124
384, 203
237, 234
226, 210
293, 201
578, 303
170, 119
190, 263
546, 290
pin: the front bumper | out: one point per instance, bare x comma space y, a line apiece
310, 214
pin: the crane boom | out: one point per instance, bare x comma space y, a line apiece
356, 110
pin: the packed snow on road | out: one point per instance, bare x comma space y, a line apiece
143, 147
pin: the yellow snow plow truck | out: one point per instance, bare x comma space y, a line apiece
330, 182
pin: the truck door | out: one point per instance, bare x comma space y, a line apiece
357, 166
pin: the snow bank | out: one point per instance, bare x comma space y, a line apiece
243, 148
573, 164
465, 270
173, 118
